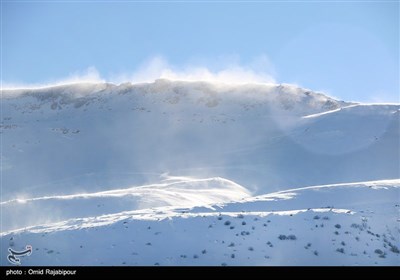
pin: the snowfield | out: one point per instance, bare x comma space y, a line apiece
344, 224
177, 192
195, 173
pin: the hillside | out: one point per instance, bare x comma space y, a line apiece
345, 224
115, 167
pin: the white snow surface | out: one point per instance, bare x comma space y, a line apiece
196, 173
343, 224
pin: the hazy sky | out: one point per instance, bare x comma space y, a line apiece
348, 49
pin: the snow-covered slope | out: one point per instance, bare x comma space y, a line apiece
345, 224
172, 191
96, 137
78, 159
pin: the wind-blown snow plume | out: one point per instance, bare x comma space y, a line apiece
233, 73
90, 75
230, 71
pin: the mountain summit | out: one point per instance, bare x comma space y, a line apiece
263, 136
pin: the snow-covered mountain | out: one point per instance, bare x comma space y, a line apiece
109, 167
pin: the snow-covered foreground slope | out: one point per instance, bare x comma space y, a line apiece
343, 224
172, 191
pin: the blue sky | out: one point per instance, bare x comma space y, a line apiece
348, 49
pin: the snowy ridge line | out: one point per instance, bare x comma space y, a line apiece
358, 105
139, 190
88, 89
377, 184
96, 84
328, 112
380, 103
291, 193
157, 215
